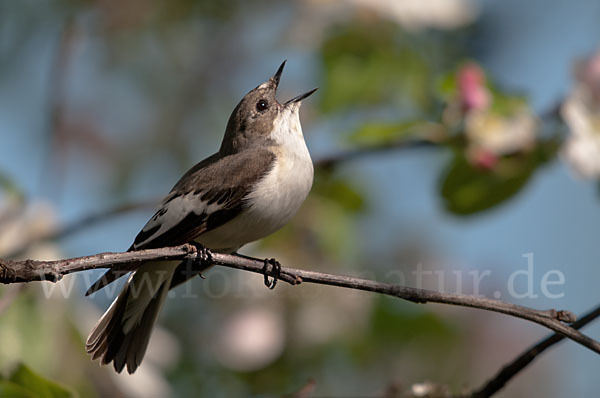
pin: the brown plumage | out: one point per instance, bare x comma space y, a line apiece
249, 189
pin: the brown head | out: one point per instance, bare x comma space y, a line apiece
251, 122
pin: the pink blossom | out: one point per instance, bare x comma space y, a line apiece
483, 159
471, 87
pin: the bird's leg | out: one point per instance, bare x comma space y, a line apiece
276, 272
202, 260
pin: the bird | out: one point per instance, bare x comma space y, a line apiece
250, 188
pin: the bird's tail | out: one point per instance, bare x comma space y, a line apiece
121, 336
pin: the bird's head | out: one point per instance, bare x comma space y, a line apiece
258, 117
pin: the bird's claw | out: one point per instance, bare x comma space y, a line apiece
203, 257
276, 272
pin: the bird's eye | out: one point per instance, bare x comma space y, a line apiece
262, 105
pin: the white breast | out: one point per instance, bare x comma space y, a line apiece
278, 195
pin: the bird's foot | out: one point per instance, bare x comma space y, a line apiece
202, 260
275, 272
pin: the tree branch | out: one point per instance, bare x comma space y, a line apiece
31, 270
351, 154
518, 364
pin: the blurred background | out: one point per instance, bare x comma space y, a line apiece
452, 138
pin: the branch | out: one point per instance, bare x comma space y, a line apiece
31, 270
518, 364
333, 160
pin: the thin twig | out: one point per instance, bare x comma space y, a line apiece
518, 364
335, 159
31, 270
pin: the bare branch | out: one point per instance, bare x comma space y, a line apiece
518, 364
335, 159
30, 270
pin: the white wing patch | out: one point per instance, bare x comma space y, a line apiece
172, 213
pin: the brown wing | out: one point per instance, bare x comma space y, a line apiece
209, 195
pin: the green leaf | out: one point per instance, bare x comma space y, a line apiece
339, 191
13, 390
24, 382
507, 105
447, 86
467, 189
368, 63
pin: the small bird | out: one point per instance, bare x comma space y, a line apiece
247, 190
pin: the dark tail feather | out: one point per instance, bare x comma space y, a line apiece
183, 273
108, 341
109, 277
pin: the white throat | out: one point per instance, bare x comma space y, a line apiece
287, 131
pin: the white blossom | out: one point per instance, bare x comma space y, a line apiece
251, 339
581, 113
418, 14
501, 134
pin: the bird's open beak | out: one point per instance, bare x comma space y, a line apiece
300, 97
277, 76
